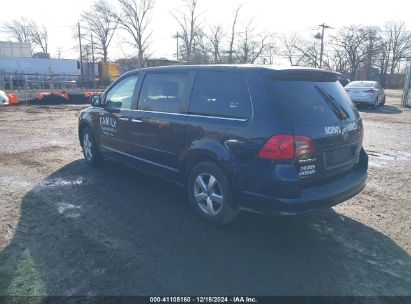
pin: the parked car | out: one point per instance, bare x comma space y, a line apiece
4, 100
370, 93
236, 138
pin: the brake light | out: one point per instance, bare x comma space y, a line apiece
369, 91
287, 147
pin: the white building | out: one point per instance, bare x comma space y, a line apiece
10, 49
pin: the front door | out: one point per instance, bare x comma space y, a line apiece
115, 119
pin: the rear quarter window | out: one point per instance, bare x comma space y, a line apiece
222, 94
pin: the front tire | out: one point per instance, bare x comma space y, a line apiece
210, 194
92, 154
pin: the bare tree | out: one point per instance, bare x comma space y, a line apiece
233, 35
252, 45
216, 38
189, 23
102, 24
271, 50
39, 37
373, 48
134, 18
19, 30
290, 48
309, 52
352, 41
339, 62
395, 42
28, 31
401, 42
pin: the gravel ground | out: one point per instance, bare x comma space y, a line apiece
66, 229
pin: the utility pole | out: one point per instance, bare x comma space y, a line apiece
323, 26
93, 60
81, 51
405, 94
177, 36
59, 52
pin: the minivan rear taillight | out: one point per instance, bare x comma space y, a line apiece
287, 147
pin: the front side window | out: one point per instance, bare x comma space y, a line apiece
121, 95
163, 92
223, 94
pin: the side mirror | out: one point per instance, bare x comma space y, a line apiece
96, 101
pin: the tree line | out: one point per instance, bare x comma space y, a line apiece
348, 50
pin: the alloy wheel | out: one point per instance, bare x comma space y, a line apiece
208, 194
87, 147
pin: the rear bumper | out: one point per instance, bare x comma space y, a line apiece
363, 100
320, 196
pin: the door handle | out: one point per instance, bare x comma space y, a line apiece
137, 121
124, 119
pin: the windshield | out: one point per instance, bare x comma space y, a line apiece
311, 103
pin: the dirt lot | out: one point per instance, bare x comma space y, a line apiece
66, 229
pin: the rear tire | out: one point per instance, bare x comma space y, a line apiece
383, 102
92, 154
210, 194
376, 103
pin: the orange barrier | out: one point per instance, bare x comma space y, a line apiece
89, 94
41, 95
62, 94
13, 99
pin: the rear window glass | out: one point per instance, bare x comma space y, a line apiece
222, 94
361, 84
304, 102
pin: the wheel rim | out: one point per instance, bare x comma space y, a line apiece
208, 194
87, 147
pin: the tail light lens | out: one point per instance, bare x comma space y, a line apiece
287, 147
303, 146
369, 91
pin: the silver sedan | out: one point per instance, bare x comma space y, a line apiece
366, 92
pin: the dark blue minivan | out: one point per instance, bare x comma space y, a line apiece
246, 137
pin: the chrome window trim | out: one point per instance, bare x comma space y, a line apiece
192, 115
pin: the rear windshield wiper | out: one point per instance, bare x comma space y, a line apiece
334, 105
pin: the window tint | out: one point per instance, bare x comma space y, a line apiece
120, 96
220, 94
305, 102
163, 92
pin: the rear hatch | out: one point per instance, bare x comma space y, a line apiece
315, 105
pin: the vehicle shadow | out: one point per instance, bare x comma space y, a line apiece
385, 109
116, 232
